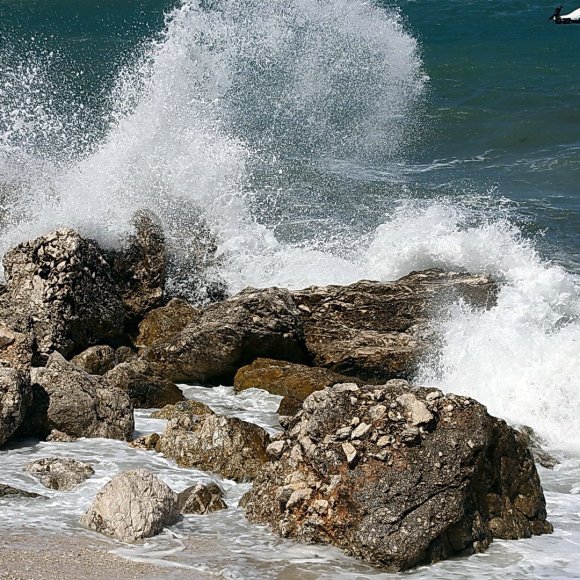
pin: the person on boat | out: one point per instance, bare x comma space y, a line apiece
556, 16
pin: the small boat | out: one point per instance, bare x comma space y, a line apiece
572, 18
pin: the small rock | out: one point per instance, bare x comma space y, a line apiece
416, 409
148, 442
349, 452
360, 431
59, 473
276, 449
56, 436
201, 499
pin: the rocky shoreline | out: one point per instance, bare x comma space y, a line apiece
392, 473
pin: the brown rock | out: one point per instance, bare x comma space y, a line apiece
352, 476
230, 334
148, 442
377, 331
224, 445
163, 322
15, 348
96, 360
145, 390
15, 399
285, 379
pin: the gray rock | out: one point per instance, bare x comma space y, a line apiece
79, 404
60, 289
60, 473
133, 505
9, 491
228, 446
15, 399
439, 478
202, 499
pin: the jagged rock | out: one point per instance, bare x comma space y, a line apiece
535, 444
224, 445
15, 399
140, 268
202, 499
367, 470
191, 408
144, 389
79, 404
124, 354
285, 379
133, 505
9, 491
148, 442
378, 331
15, 348
230, 334
60, 290
96, 360
60, 473
161, 323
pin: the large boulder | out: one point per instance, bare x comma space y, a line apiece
398, 476
163, 322
60, 289
60, 473
145, 390
133, 505
228, 446
15, 399
230, 334
78, 404
376, 331
285, 379
140, 268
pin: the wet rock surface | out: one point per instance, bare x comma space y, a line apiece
15, 399
133, 505
9, 491
78, 404
59, 473
375, 330
398, 476
202, 499
228, 446
60, 290
285, 379
230, 334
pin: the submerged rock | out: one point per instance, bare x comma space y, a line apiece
15, 399
9, 491
133, 505
79, 404
230, 334
398, 476
60, 473
285, 379
60, 289
202, 499
376, 330
228, 446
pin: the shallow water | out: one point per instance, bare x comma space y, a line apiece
224, 544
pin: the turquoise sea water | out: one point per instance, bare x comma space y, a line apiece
325, 141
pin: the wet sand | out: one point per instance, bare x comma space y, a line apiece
61, 557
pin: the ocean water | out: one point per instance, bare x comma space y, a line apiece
323, 142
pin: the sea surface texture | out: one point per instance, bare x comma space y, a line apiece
323, 141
